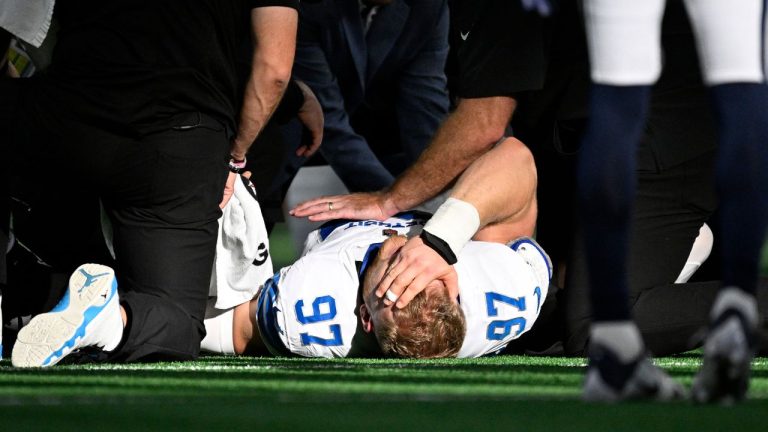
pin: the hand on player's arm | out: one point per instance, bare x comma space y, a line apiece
414, 268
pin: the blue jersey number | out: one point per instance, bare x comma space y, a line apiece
500, 329
319, 316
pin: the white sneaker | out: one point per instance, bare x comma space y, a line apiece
87, 315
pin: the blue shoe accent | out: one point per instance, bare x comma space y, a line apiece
89, 315
62, 304
90, 279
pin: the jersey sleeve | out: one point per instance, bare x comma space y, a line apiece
308, 309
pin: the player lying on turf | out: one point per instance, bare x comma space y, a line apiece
324, 305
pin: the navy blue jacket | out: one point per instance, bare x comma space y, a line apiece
398, 65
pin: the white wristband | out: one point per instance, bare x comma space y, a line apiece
455, 222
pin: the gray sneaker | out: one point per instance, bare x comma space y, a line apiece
608, 379
728, 349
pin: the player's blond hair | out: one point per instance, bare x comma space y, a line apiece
430, 326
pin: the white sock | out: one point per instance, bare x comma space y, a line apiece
219, 333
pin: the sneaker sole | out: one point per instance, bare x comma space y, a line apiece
49, 337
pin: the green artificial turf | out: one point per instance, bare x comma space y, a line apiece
224, 393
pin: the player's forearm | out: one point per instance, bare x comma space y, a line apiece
274, 46
467, 133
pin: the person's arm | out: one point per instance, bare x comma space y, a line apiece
311, 116
274, 40
493, 200
467, 133
346, 151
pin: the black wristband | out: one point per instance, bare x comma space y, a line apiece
440, 246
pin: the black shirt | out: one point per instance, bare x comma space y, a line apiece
497, 48
133, 63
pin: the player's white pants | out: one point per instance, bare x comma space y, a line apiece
625, 46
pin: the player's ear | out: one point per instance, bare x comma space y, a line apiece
365, 319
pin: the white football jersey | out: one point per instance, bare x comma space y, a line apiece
311, 307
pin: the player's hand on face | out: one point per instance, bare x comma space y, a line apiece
360, 206
415, 266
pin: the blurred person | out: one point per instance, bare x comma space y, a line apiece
625, 60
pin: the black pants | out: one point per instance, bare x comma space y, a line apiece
670, 207
161, 191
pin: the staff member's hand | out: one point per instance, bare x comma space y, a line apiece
229, 187
359, 206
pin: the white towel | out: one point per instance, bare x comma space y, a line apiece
242, 250
28, 20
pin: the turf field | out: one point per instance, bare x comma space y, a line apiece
257, 394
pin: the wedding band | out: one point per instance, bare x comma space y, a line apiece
389, 295
330, 206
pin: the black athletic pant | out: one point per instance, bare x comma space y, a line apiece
670, 207
161, 190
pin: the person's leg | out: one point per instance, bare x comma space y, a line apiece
730, 39
624, 40
672, 205
162, 194
165, 227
